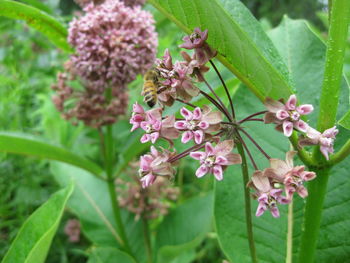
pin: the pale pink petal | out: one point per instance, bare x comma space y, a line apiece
325, 150
186, 114
135, 126
282, 114
203, 125
224, 147
302, 191
331, 132
289, 158
198, 136
221, 160
145, 138
273, 105
275, 212
186, 136
198, 155
213, 117
197, 113
301, 126
291, 103
201, 171
287, 128
154, 151
313, 133
148, 180
180, 125
305, 109
209, 148
217, 171
154, 136
308, 176
280, 167
137, 108
144, 125
233, 158
261, 209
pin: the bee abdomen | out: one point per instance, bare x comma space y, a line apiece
150, 94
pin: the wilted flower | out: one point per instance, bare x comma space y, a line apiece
268, 196
197, 41
215, 159
194, 67
155, 164
72, 230
292, 177
113, 43
325, 140
287, 116
198, 123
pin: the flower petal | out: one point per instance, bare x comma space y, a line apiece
198, 155
221, 160
186, 136
209, 149
201, 171
305, 109
180, 125
203, 125
154, 136
217, 171
186, 114
261, 209
273, 105
282, 114
198, 136
197, 113
287, 128
292, 102
301, 126
233, 158
145, 138
261, 182
275, 212
302, 191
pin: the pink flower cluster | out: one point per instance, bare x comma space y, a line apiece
288, 117
113, 43
282, 176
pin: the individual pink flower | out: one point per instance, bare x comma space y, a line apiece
197, 41
155, 164
268, 196
325, 140
215, 159
293, 177
138, 116
197, 124
287, 115
194, 67
157, 127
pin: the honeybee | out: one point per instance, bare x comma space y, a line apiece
151, 86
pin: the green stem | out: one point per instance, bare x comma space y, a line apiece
146, 235
336, 45
289, 254
304, 155
312, 217
248, 209
108, 156
341, 154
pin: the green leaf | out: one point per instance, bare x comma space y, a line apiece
109, 255
345, 121
28, 145
39, 5
91, 203
184, 227
37, 19
239, 39
35, 236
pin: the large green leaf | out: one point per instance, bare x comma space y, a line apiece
29, 145
35, 236
345, 120
109, 255
91, 203
184, 227
303, 52
37, 19
239, 39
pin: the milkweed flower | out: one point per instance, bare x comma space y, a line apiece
267, 196
216, 158
156, 163
72, 230
287, 116
325, 140
197, 41
113, 43
292, 177
198, 123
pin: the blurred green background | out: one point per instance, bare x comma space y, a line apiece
28, 67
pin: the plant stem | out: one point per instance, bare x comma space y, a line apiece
289, 254
217, 105
304, 155
255, 143
146, 236
184, 102
251, 116
312, 218
336, 45
341, 154
248, 209
225, 87
247, 150
108, 156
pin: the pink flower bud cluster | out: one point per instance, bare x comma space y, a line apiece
149, 203
113, 43
288, 117
72, 230
199, 125
282, 176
